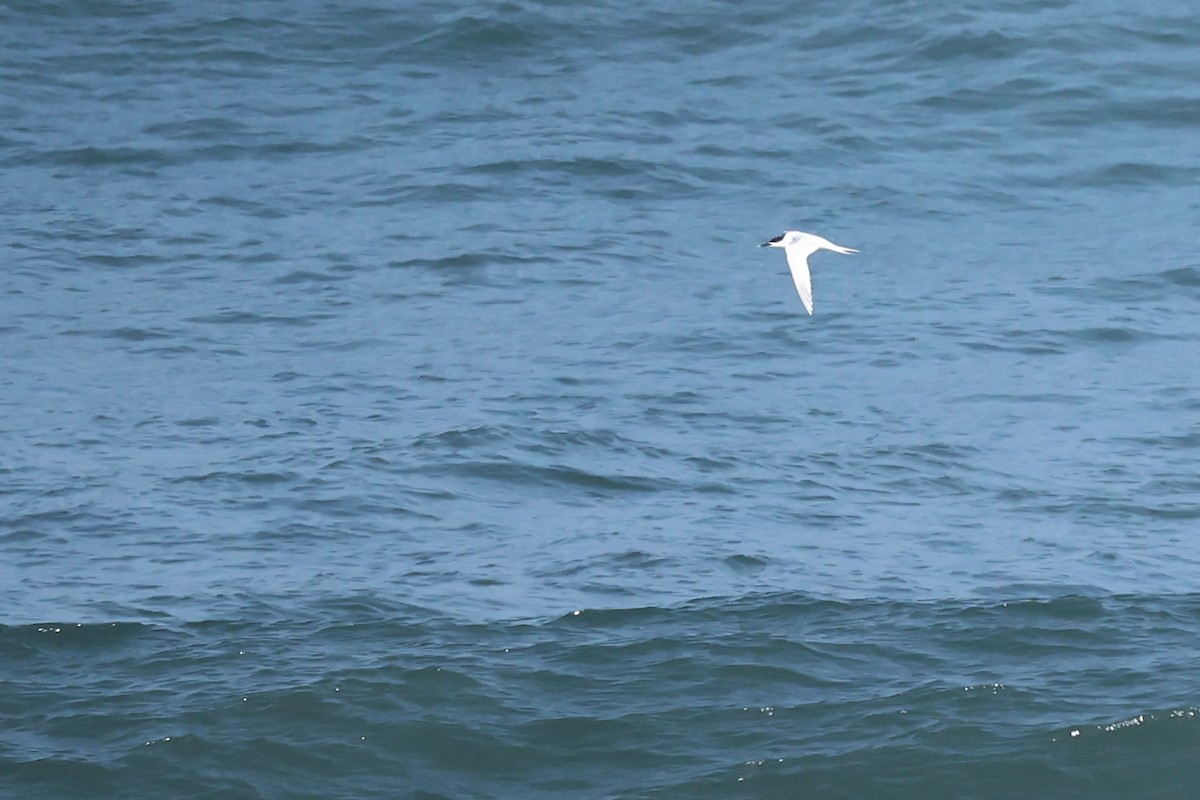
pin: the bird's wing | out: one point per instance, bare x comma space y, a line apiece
798, 263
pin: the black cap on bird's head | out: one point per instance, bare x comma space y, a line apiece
776, 240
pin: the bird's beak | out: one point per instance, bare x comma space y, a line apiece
765, 244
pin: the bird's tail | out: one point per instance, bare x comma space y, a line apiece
837, 248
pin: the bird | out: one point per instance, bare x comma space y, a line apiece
798, 246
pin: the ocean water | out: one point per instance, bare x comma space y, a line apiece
394, 402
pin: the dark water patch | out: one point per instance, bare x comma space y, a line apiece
255, 208
1064, 341
635, 559
1104, 510
1186, 441
970, 46
1101, 336
1183, 276
569, 168
138, 334
928, 462
200, 129
1130, 291
300, 277
342, 346
123, 261
773, 683
284, 150
248, 478
30, 640
510, 472
231, 317
483, 41
455, 440
466, 261
565, 441
98, 157
1159, 112
746, 563
1033, 343
1138, 174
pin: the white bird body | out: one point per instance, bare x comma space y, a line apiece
798, 246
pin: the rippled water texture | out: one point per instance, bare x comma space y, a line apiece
394, 401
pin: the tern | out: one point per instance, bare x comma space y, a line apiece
798, 246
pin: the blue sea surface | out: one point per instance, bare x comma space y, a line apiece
395, 403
